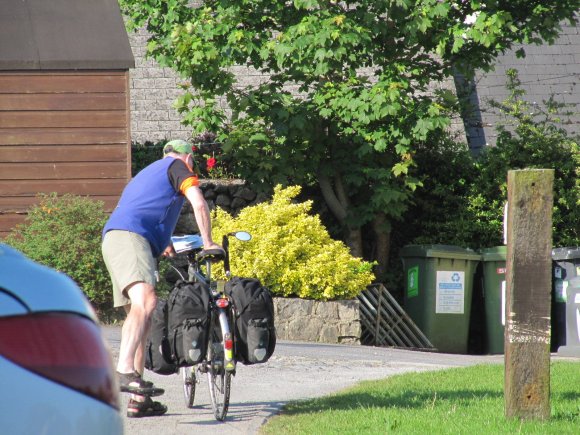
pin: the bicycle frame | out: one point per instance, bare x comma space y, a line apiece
218, 367
223, 312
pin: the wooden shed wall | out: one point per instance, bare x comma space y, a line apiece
64, 132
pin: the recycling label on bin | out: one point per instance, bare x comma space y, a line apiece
450, 296
413, 282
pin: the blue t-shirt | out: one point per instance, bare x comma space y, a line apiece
151, 203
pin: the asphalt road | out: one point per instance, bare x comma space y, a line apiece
295, 371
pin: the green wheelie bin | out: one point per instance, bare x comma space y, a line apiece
439, 291
494, 295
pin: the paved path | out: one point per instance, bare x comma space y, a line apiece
295, 371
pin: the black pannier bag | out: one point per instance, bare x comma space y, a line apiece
254, 320
158, 354
188, 308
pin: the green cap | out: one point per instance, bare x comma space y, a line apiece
177, 146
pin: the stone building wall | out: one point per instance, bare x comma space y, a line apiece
153, 90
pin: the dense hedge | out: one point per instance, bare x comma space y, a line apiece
65, 233
291, 252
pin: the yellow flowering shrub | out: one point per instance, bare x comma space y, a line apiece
291, 252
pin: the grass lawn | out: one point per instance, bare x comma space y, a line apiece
454, 401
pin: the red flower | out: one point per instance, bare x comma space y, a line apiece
211, 163
194, 148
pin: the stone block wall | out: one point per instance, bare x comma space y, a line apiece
153, 90
317, 321
296, 319
230, 195
546, 70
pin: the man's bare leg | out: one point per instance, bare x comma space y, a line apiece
136, 327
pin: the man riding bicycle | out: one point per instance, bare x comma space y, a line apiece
137, 232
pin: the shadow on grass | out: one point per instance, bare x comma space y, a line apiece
408, 400
418, 400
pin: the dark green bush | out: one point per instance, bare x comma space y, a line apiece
209, 158
462, 199
531, 137
65, 233
143, 154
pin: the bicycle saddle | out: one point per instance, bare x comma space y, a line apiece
211, 255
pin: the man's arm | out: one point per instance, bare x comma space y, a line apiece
202, 217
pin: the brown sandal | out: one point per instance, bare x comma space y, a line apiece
147, 408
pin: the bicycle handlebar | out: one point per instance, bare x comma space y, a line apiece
212, 255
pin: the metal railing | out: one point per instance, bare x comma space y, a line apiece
385, 323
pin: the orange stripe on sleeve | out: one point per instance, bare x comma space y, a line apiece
187, 183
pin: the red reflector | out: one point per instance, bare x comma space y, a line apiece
229, 344
222, 303
65, 348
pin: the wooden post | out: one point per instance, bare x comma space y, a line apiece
528, 279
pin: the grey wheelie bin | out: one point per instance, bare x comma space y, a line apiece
438, 292
572, 347
565, 280
494, 295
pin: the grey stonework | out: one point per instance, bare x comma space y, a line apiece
154, 89
230, 195
317, 321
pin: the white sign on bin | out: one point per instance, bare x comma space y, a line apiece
450, 292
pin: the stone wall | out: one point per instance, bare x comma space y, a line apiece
296, 319
230, 195
317, 321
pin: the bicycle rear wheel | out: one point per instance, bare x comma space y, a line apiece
218, 378
189, 381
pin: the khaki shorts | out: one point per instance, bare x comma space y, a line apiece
129, 260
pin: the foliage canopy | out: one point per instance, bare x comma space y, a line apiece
349, 91
64, 232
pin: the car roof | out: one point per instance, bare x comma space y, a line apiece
38, 287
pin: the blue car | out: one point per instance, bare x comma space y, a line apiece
56, 373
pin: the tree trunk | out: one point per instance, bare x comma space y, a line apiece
383, 244
354, 242
337, 201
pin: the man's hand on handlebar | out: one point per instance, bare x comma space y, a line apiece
168, 252
212, 246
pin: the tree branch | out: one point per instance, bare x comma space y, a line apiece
333, 202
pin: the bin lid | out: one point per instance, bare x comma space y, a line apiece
440, 251
567, 253
496, 253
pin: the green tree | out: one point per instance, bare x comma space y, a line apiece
348, 98
530, 136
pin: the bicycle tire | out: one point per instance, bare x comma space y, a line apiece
219, 379
189, 383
